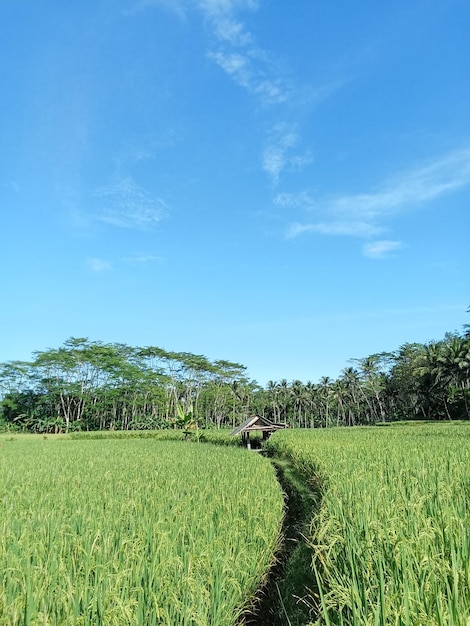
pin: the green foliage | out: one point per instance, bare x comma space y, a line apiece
135, 531
85, 385
96, 386
7, 427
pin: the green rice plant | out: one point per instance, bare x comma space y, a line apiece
218, 436
135, 531
391, 539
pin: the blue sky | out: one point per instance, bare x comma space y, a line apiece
285, 185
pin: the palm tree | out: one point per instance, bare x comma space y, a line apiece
273, 393
325, 391
374, 383
300, 402
284, 399
455, 361
433, 377
351, 383
311, 392
338, 393
404, 388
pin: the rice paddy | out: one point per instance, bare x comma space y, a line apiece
391, 539
132, 531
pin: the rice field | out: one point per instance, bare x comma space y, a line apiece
391, 538
133, 531
136, 530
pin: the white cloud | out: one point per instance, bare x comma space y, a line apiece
345, 228
274, 161
224, 25
243, 70
278, 153
236, 65
250, 66
302, 200
235, 50
98, 265
363, 215
127, 205
380, 249
221, 13
237, 53
411, 188
232, 32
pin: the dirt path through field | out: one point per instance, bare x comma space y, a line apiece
284, 599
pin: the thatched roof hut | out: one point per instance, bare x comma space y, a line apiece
256, 423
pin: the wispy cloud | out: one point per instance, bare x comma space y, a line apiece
244, 69
278, 153
252, 67
98, 265
127, 205
234, 48
381, 249
364, 215
221, 15
344, 228
236, 52
412, 188
256, 70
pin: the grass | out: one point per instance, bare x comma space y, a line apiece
135, 531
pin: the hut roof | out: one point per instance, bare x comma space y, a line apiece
256, 423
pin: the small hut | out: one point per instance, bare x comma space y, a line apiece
253, 424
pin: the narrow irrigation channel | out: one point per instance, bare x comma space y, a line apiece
284, 598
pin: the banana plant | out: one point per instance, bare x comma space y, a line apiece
187, 421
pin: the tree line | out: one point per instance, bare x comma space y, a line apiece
90, 385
